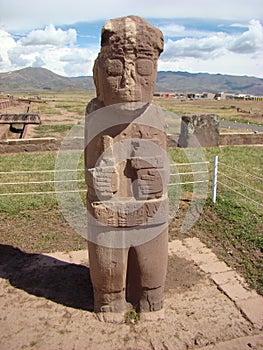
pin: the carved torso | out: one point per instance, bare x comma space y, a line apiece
126, 168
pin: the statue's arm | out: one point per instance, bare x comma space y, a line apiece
93, 105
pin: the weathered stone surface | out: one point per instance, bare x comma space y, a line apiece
252, 307
199, 130
126, 67
126, 170
130, 213
229, 139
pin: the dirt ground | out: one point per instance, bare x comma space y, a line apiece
61, 116
46, 303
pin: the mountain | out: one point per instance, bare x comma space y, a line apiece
200, 82
41, 79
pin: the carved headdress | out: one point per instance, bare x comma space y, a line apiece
131, 34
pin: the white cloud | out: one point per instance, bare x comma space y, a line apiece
50, 36
78, 62
217, 44
250, 41
19, 57
195, 47
173, 30
76, 56
238, 25
49, 48
28, 14
38, 62
78, 69
232, 64
238, 53
7, 43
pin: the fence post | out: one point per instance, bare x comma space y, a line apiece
214, 179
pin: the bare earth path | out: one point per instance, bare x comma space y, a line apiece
46, 303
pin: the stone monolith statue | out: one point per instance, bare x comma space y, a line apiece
199, 130
126, 171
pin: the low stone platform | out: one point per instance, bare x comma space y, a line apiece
46, 303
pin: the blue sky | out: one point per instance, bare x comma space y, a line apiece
223, 37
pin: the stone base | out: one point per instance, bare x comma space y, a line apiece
111, 317
152, 316
119, 317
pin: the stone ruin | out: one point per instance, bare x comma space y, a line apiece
126, 171
199, 130
16, 123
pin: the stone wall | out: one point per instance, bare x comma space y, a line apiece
7, 103
199, 130
4, 131
227, 139
53, 144
39, 144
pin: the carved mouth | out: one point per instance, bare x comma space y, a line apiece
129, 96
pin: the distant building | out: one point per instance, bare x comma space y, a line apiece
220, 96
208, 95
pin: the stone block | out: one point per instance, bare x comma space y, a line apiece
199, 130
215, 267
253, 309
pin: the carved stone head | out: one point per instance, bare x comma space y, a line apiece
126, 67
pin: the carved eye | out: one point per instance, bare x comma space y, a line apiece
114, 67
144, 67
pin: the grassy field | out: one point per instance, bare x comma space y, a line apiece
33, 223
232, 110
232, 227
68, 109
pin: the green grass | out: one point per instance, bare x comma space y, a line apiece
24, 162
36, 161
131, 317
234, 231
49, 109
27, 161
233, 226
52, 130
34, 223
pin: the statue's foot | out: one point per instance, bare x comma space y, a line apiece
116, 306
151, 300
113, 312
153, 316
111, 302
111, 317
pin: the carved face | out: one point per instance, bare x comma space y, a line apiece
125, 79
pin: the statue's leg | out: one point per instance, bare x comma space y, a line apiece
152, 260
108, 275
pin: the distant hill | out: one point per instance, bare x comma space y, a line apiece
41, 79
204, 82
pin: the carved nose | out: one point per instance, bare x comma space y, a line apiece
128, 79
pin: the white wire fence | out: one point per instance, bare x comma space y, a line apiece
40, 186
246, 185
32, 184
